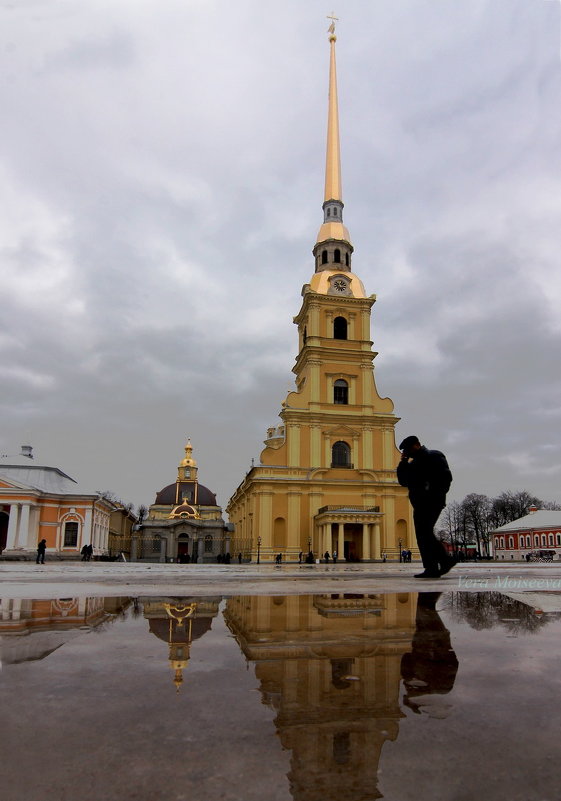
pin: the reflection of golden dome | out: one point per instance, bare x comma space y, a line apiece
319, 282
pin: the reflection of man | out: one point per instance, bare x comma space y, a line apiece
427, 476
432, 665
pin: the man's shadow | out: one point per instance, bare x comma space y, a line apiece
431, 666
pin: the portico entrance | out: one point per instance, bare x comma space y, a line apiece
353, 532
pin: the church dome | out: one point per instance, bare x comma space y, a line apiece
167, 496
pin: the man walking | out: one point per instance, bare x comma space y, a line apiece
427, 476
41, 548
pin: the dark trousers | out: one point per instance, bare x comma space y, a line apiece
433, 552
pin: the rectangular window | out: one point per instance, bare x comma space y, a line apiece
70, 535
341, 395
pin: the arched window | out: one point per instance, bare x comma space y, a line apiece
337, 256
551, 539
324, 256
208, 543
544, 540
329, 212
511, 542
536, 541
305, 335
347, 259
70, 534
334, 211
339, 328
528, 541
340, 392
341, 455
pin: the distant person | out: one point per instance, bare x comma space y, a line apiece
89, 552
300, 558
334, 557
384, 557
326, 557
427, 476
41, 548
84, 553
239, 558
227, 558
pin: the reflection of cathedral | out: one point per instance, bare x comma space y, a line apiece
32, 629
330, 667
179, 621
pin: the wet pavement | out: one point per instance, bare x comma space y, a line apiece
25, 579
406, 696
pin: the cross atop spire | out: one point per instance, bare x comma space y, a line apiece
331, 28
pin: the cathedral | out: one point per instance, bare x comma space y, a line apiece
326, 478
184, 524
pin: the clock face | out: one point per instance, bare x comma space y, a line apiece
340, 286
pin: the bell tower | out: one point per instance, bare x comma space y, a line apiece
326, 479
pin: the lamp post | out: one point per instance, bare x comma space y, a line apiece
400, 543
258, 550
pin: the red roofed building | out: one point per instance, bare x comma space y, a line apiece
538, 531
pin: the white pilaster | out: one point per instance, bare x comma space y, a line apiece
12, 539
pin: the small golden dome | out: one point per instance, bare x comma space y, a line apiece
321, 284
188, 461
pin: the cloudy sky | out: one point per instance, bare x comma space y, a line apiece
161, 181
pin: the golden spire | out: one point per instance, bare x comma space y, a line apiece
333, 157
333, 229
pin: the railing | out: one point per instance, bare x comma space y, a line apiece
349, 508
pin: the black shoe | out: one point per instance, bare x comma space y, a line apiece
428, 574
447, 566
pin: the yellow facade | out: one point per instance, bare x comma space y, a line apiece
326, 479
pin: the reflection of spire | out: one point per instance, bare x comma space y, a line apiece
179, 647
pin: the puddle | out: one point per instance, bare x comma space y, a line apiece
415, 696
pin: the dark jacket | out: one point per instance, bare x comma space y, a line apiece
427, 476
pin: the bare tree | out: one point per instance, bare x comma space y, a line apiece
509, 506
477, 514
